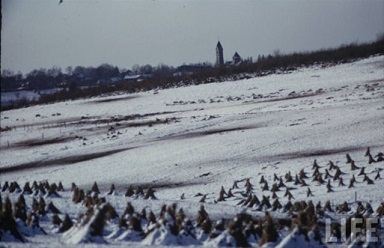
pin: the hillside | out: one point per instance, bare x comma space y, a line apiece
187, 143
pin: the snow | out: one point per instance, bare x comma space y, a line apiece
298, 239
14, 96
196, 139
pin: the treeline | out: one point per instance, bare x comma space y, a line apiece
98, 80
263, 66
41, 79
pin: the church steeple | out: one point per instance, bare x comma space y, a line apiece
219, 55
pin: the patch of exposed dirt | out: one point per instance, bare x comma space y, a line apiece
60, 161
315, 153
154, 185
212, 132
289, 97
45, 124
89, 120
113, 99
151, 122
381, 80
85, 120
42, 142
319, 153
5, 129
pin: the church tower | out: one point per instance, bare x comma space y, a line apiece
219, 55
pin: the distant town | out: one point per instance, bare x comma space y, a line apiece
55, 84
106, 74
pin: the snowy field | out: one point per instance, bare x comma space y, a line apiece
188, 143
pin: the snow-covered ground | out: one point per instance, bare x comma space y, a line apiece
8, 98
188, 142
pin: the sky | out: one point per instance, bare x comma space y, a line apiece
43, 33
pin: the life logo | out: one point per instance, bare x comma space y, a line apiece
356, 229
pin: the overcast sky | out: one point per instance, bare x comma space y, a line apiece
42, 34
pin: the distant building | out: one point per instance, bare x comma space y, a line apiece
189, 69
133, 78
236, 59
219, 55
